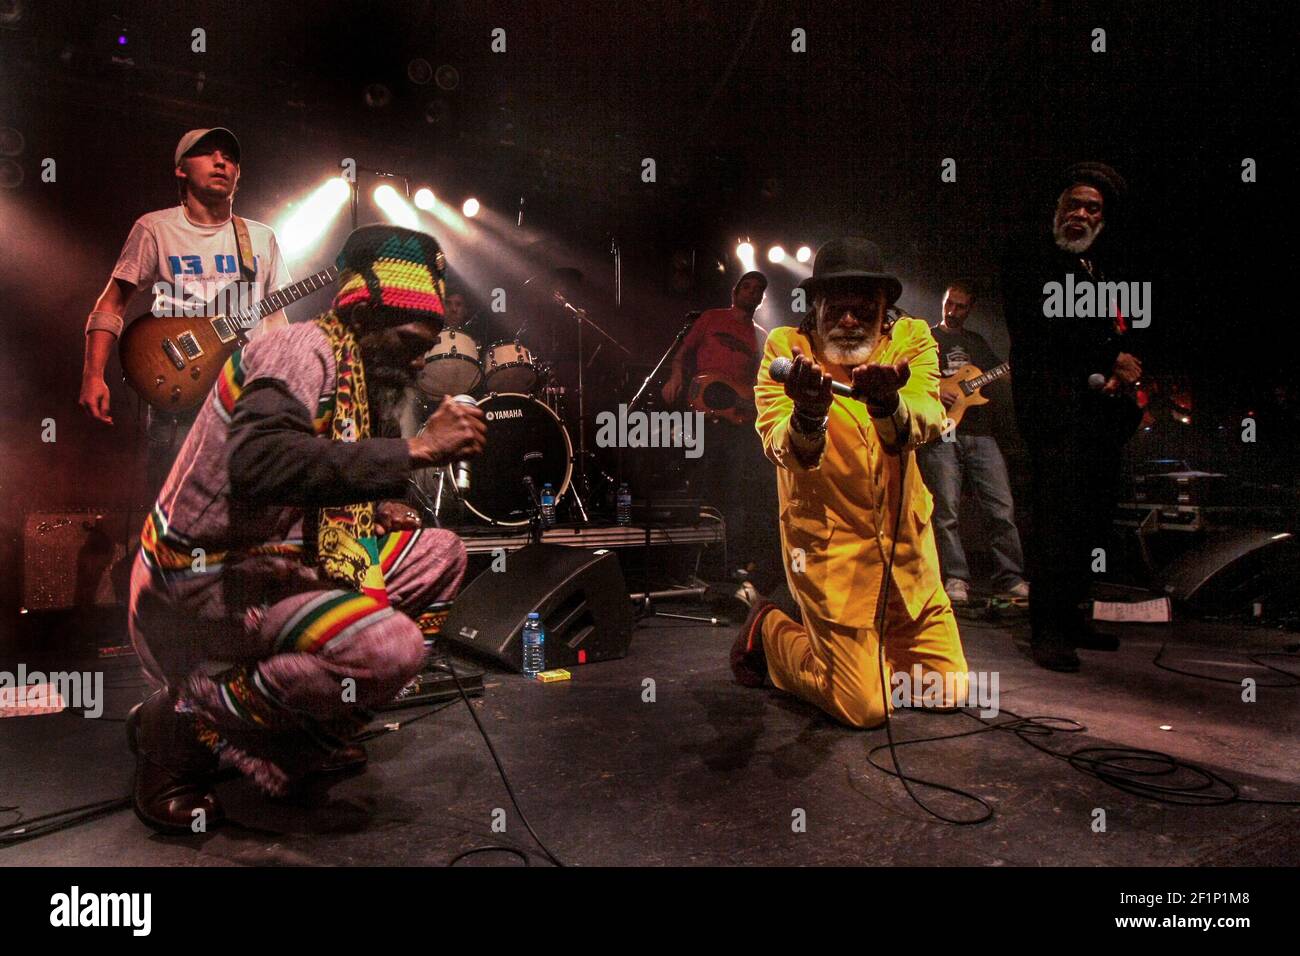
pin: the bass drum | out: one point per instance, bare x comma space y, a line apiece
524, 438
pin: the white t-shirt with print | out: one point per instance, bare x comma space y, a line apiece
198, 261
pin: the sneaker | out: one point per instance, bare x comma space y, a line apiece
748, 595
958, 591
1019, 592
748, 662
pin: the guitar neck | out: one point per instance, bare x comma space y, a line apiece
280, 298
992, 375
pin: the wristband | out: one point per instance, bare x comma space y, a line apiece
809, 426
105, 322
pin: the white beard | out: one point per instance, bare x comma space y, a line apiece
849, 356
1076, 246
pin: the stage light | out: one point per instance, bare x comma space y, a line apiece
396, 208
804, 254
745, 253
775, 254
424, 198
309, 221
471, 208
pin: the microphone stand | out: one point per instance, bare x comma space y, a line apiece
383, 173
672, 350
645, 599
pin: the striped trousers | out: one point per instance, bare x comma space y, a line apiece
308, 660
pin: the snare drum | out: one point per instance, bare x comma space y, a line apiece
452, 366
524, 437
510, 367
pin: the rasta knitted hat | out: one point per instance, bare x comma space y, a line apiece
396, 273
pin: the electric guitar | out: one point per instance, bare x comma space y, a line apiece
721, 399
172, 360
965, 384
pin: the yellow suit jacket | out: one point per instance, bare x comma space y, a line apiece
837, 517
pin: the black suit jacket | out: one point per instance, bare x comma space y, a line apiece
1052, 358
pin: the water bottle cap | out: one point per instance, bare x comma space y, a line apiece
534, 616
547, 485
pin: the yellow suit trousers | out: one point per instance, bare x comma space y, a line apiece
838, 668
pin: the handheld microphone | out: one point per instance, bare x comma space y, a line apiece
461, 469
780, 372
1096, 381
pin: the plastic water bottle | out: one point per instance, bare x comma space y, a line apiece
534, 645
624, 504
548, 506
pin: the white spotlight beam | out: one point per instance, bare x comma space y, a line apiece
306, 224
395, 207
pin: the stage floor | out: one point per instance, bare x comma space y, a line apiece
712, 773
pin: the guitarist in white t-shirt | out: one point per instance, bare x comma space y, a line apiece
188, 252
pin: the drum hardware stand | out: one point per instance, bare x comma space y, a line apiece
583, 319
534, 511
432, 509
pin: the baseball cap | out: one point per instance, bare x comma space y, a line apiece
192, 138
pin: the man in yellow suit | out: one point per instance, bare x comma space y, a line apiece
844, 466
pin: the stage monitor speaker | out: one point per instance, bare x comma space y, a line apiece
70, 557
580, 595
1230, 571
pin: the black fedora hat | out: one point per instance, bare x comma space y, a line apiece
851, 260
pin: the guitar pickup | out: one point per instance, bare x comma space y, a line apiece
225, 333
190, 345
174, 354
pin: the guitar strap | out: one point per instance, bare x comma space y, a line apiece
244, 248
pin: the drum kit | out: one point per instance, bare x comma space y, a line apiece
526, 434
528, 443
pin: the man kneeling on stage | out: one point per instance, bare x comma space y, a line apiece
266, 553
841, 462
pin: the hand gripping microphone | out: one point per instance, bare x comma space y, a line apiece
780, 372
461, 468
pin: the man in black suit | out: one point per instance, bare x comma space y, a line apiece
1073, 386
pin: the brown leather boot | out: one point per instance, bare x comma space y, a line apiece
173, 770
347, 759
